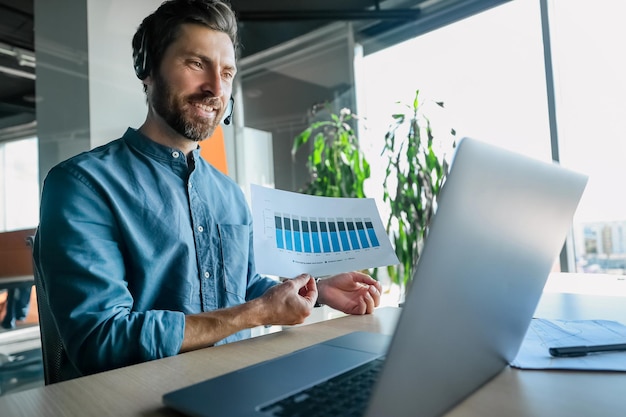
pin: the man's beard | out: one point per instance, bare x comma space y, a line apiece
171, 109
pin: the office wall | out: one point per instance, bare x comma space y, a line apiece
62, 84
116, 98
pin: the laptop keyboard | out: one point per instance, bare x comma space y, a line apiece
345, 395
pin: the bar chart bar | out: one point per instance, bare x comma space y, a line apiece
306, 235
334, 236
315, 237
288, 241
354, 239
297, 238
360, 227
343, 235
371, 233
325, 237
280, 239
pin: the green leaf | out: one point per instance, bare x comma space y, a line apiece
300, 140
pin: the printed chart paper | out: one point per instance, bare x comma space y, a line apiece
296, 233
543, 334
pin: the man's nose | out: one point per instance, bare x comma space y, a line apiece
213, 83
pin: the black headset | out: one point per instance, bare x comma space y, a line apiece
142, 69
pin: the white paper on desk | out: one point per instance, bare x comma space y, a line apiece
297, 233
543, 334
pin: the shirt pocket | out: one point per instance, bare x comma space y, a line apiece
234, 239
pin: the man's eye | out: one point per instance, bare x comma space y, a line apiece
196, 64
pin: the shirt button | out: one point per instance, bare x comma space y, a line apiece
175, 154
200, 229
206, 275
189, 185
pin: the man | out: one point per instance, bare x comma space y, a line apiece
145, 249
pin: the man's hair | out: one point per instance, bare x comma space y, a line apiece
158, 30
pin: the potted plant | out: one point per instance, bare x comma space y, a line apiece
416, 170
336, 164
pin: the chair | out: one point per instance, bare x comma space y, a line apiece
56, 364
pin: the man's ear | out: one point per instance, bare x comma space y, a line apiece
147, 85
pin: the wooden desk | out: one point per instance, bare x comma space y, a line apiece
136, 390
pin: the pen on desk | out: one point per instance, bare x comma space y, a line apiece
574, 351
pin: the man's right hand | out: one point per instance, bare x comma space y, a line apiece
290, 302
287, 303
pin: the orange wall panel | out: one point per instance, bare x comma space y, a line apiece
213, 150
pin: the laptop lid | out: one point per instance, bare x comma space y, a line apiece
501, 223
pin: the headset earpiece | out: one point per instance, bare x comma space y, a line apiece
141, 58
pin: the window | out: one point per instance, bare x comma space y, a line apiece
589, 62
489, 70
19, 185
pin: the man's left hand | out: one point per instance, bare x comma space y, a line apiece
350, 292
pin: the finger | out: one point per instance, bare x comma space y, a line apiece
302, 278
309, 292
300, 281
305, 284
363, 303
370, 303
364, 278
358, 307
375, 294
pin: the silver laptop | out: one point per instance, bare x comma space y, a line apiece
501, 222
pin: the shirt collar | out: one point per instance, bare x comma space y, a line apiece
171, 156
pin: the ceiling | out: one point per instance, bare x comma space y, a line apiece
278, 21
17, 65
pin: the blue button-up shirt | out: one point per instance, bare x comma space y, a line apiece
133, 236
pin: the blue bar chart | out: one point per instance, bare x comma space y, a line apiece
297, 233
323, 235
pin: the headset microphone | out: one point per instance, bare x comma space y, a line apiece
229, 118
